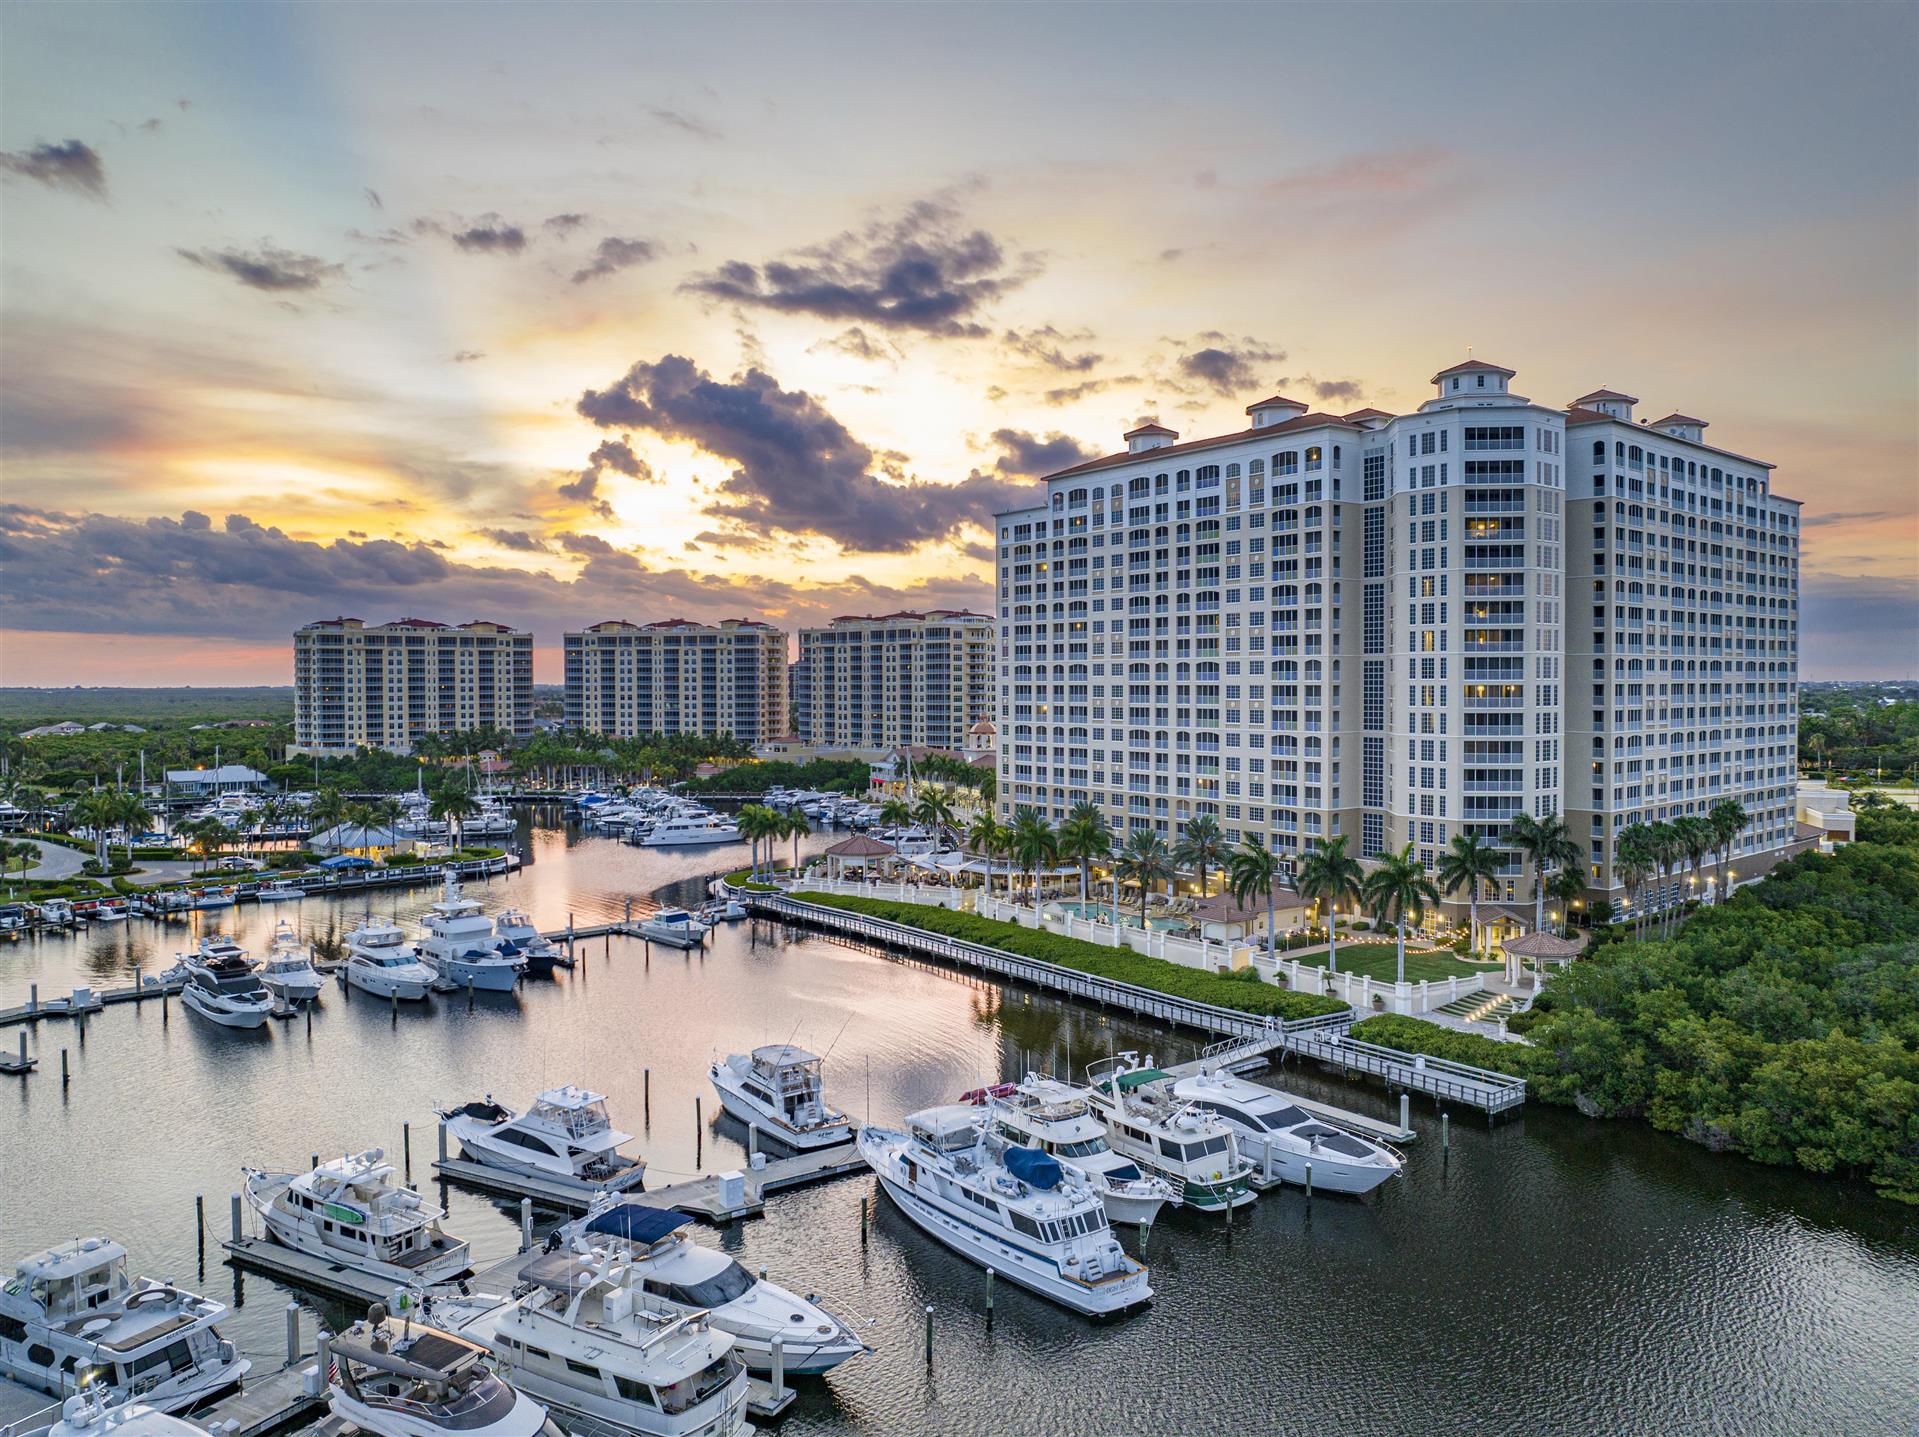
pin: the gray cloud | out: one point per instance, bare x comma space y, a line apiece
681, 120
1028, 456
614, 254
1047, 345
1226, 366
858, 344
517, 539
917, 272
488, 234
269, 268
798, 469
614, 454
373, 198
69, 165
468, 356
563, 225
1846, 516
1337, 388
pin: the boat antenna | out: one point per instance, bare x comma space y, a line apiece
836, 1039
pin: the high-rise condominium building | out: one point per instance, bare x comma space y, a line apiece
1369, 624
389, 685
876, 682
677, 676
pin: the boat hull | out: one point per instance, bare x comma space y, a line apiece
291, 1233
476, 1149
737, 1105
1122, 1209
481, 977
374, 981
1331, 1173
676, 935
225, 1017
691, 840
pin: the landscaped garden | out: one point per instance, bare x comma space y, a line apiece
1380, 962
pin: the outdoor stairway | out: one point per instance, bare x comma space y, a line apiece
1479, 1008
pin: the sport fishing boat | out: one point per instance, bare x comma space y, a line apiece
579, 1338
391, 1379
1057, 1118
674, 926
565, 1137
1187, 1145
221, 985
71, 1318
777, 1089
380, 961
288, 973
278, 891
350, 1211
1016, 1210
1281, 1140
461, 947
680, 1278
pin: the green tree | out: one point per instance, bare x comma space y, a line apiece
1144, 859
1728, 819
759, 824
988, 837
1662, 839
1251, 872
1330, 876
1633, 861
1084, 837
453, 808
933, 812
1201, 847
896, 812
796, 827
1694, 839
1547, 845
1398, 891
1468, 862
130, 814
1034, 844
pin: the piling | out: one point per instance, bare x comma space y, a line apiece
1405, 1113
406, 1148
23, 1048
293, 1333
309, 1008
989, 1298
233, 1214
33, 997
443, 1140
752, 1139
166, 998
1268, 1173
200, 1226
864, 1199
779, 1365
929, 1334
66, 1075
646, 1095
699, 1130
469, 992
313, 1161
1446, 1131
526, 1224
1309, 1182
393, 1001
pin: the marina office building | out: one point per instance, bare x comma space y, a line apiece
677, 676
1404, 627
874, 683
387, 685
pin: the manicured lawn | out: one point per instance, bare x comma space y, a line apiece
1379, 961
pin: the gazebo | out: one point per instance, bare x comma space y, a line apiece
1542, 948
860, 848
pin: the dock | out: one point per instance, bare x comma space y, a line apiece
267, 1403
1250, 1057
84, 1001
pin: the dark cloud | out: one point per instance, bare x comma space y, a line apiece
857, 343
1070, 393
516, 539
614, 254
1028, 456
385, 237
1225, 365
269, 268
681, 120
468, 356
488, 234
69, 165
152, 126
563, 225
1338, 388
917, 272
1047, 345
373, 198
798, 469
1167, 256
614, 454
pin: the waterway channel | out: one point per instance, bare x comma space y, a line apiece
1546, 1275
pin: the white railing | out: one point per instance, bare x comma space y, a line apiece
1367, 994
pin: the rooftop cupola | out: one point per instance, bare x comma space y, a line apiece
1149, 435
1682, 426
1475, 378
1609, 402
1274, 411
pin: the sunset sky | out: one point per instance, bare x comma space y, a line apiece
550, 315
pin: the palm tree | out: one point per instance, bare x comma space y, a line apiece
758, 822
1082, 838
988, 787
95, 810
130, 813
1144, 859
214, 837
1330, 876
933, 812
896, 812
1547, 845
1251, 871
1398, 890
1468, 862
1202, 846
988, 837
796, 828
453, 808
1633, 858
328, 810
1663, 840
1728, 819
1695, 840
1566, 886
1033, 844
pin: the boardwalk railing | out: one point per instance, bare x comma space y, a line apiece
1441, 1077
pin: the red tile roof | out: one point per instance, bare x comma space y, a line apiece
1148, 429
1155, 456
1274, 402
1358, 414
1677, 418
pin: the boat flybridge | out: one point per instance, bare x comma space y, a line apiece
1014, 1209
777, 1089
71, 1319
1057, 1118
1189, 1146
1281, 1140
677, 1277
350, 1211
565, 1137
222, 986
461, 946
288, 973
380, 961
89, 1414
579, 1337
394, 1380
517, 931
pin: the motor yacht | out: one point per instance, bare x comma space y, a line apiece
674, 926
679, 1277
380, 961
692, 830
461, 947
578, 1337
350, 1211
565, 1137
1187, 1145
1057, 1118
207, 898
1013, 1209
722, 910
89, 1414
514, 929
279, 891
71, 1318
393, 1379
288, 973
777, 1088
1281, 1140
222, 986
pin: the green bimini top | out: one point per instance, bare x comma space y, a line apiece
1139, 1077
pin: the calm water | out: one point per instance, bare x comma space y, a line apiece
1552, 1276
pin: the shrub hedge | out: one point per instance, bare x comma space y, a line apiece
1416, 1035
1122, 965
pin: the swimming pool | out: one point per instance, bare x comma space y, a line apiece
1103, 913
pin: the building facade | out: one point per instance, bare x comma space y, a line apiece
872, 683
677, 676
387, 685
1357, 625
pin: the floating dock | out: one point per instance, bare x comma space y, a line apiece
273, 1402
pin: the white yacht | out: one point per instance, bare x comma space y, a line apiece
494, 819
1188, 1146
89, 1414
1013, 1209
679, 1278
278, 891
380, 961
579, 1338
1057, 1118
674, 926
71, 1318
288, 973
461, 947
221, 985
777, 1088
565, 1137
517, 931
687, 830
350, 1211
394, 1379
1280, 1139
107, 910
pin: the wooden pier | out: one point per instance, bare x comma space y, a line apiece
266, 1404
